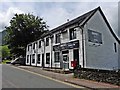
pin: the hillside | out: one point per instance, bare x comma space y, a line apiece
2, 34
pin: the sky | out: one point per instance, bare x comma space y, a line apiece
56, 12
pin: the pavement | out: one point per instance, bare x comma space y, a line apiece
70, 79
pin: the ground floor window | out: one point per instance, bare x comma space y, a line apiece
27, 58
57, 56
47, 58
33, 58
38, 59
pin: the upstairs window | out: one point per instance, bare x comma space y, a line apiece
57, 38
33, 45
39, 44
72, 33
65, 34
47, 41
28, 47
115, 47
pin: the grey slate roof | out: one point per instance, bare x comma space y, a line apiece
79, 20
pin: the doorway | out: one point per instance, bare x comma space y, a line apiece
65, 58
76, 55
42, 60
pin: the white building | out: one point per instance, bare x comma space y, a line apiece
88, 39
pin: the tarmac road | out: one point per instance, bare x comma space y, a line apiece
16, 78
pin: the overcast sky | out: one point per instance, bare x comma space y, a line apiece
56, 13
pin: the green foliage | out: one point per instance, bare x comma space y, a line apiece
4, 51
5, 61
23, 29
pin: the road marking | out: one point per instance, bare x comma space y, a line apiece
76, 86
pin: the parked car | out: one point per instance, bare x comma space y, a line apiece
20, 61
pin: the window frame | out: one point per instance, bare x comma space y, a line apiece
47, 41
33, 45
39, 44
72, 33
47, 59
57, 38
27, 58
33, 59
115, 47
65, 34
56, 57
38, 57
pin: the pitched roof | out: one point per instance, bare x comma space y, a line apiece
81, 20
77, 20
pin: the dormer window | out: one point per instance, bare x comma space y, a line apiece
47, 41
65, 34
39, 44
72, 33
57, 38
33, 45
28, 47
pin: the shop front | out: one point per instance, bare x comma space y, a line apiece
65, 53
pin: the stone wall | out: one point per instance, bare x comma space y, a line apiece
106, 76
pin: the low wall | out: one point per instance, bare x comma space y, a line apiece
112, 77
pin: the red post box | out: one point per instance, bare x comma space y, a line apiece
73, 63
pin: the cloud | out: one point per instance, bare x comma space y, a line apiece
5, 17
57, 13
59, 0
55, 16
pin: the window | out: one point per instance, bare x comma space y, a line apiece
57, 56
28, 47
47, 41
27, 58
115, 47
65, 34
33, 58
39, 44
72, 33
47, 58
57, 38
33, 45
38, 59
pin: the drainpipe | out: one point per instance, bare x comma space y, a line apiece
51, 37
83, 46
61, 61
43, 53
36, 52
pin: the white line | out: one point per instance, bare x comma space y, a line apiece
75, 86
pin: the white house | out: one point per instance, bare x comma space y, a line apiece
87, 39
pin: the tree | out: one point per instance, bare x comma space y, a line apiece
4, 51
23, 29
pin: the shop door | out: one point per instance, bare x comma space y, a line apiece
65, 62
76, 55
42, 60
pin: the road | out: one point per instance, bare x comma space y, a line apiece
16, 78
